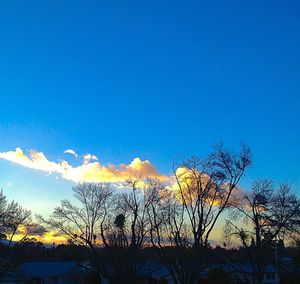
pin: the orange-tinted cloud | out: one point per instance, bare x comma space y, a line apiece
39, 233
89, 171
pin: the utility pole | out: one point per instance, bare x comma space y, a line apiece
276, 261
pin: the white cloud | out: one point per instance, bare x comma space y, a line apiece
89, 157
72, 152
88, 171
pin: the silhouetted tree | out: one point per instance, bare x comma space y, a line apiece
176, 220
269, 215
120, 221
14, 228
130, 231
182, 221
84, 222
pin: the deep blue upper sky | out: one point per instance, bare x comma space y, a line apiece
153, 79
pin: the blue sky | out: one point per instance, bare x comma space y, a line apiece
156, 80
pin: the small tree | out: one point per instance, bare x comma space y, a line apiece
269, 215
14, 228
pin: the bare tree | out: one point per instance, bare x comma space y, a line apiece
120, 220
14, 228
183, 218
84, 223
205, 187
176, 220
129, 233
133, 204
269, 215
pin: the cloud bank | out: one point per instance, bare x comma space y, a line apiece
91, 170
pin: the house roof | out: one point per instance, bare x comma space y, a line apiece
240, 267
50, 268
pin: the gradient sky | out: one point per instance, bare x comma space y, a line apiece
156, 80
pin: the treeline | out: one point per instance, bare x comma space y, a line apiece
171, 222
